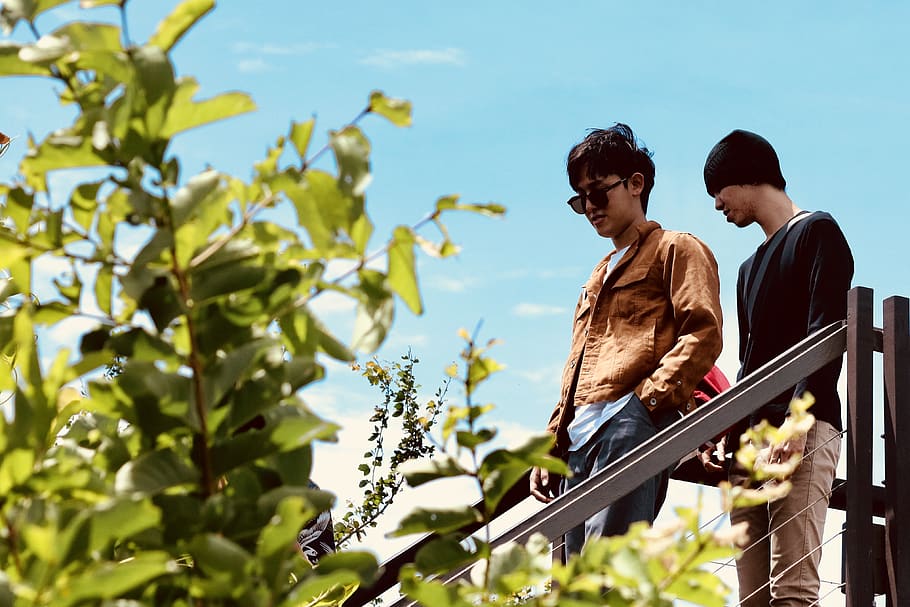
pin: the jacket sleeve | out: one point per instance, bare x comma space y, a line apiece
693, 287
829, 271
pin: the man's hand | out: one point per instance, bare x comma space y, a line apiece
712, 455
783, 452
544, 485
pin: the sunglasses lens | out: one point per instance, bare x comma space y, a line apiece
577, 204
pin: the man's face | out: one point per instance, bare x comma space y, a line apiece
612, 212
737, 204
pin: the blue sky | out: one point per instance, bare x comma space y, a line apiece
501, 91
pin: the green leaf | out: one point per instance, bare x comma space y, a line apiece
375, 311
59, 152
118, 520
289, 429
84, 203
190, 196
289, 519
109, 580
420, 471
217, 554
175, 25
156, 79
96, 3
47, 50
12, 65
328, 590
360, 562
16, 467
402, 270
700, 588
438, 520
185, 114
153, 472
301, 133
225, 279
104, 283
397, 111
471, 440
442, 555
352, 155
450, 203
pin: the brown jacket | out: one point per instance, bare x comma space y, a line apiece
654, 326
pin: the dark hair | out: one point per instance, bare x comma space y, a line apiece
742, 158
611, 151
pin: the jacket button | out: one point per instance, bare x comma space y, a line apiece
678, 382
572, 365
688, 406
653, 401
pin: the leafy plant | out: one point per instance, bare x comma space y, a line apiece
382, 481
185, 479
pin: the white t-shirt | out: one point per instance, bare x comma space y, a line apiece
589, 418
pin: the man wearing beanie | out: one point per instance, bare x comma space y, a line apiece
646, 329
794, 284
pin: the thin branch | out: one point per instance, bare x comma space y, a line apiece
308, 162
221, 242
124, 26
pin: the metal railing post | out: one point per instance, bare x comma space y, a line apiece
896, 369
859, 587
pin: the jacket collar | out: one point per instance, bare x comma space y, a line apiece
595, 283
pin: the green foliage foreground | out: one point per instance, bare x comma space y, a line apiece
185, 478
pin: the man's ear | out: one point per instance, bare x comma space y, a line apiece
636, 184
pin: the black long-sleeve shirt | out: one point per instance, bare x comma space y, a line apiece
803, 289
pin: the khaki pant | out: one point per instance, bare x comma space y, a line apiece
775, 570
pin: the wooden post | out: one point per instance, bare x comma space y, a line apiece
857, 539
896, 368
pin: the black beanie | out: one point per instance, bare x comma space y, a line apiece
742, 158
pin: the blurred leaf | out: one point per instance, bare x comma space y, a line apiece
153, 472
188, 198
352, 154
104, 283
156, 79
217, 554
450, 203
437, 520
397, 111
181, 19
185, 114
301, 133
84, 203
118, 520
46, 50
16, 467
362, 563
402, 276
12, 65
108, 580
420, 471
57, 153
442, 555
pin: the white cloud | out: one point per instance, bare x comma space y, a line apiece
532, 310
268, 48
449, 284
255, 66
385, 58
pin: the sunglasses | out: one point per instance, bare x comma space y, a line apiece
597, 197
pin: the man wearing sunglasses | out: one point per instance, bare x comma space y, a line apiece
646, 329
